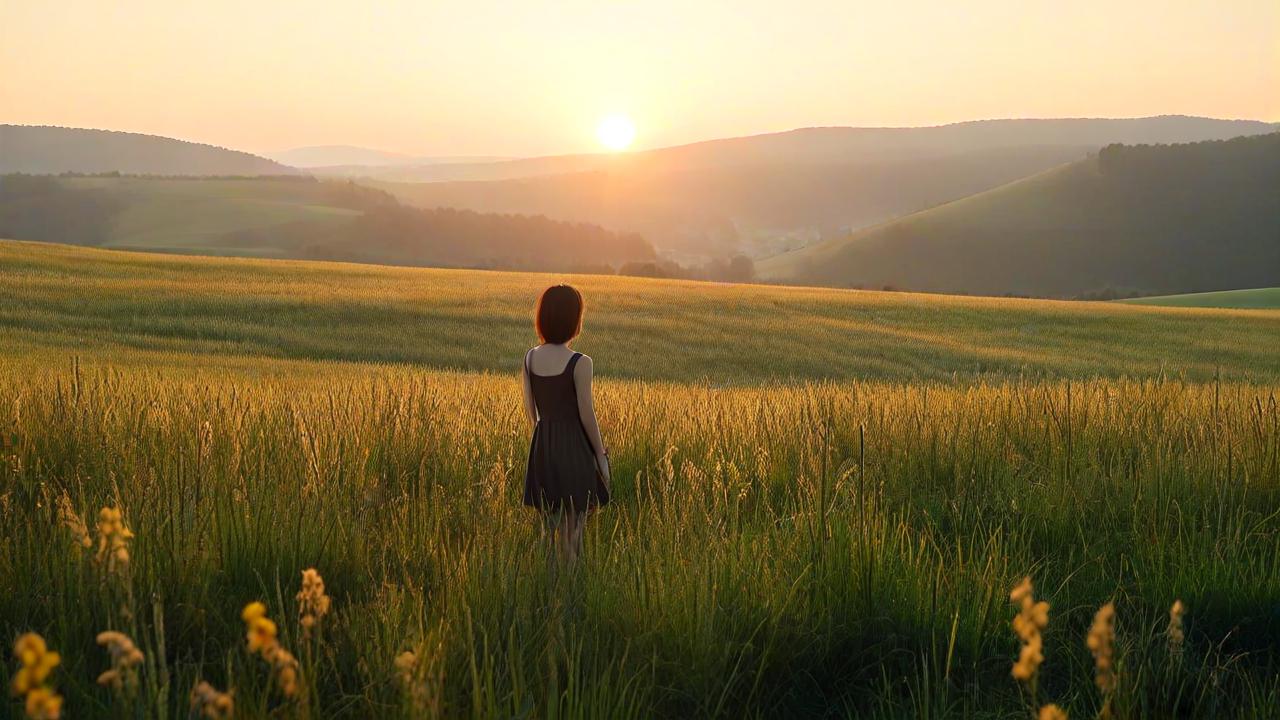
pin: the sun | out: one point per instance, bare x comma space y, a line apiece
616, 132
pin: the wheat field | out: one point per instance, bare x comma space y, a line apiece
812, 539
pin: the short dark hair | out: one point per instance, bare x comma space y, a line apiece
559, 314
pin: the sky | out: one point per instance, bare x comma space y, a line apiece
531, 78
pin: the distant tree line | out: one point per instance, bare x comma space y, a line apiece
48, 209
738, 268
389, 233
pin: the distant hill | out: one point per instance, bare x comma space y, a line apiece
768, 193
837, 145
43, 150
299, 218
349, 159
1148, 219
1259, 299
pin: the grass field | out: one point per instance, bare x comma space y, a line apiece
115, 307
1260, 298
823, 498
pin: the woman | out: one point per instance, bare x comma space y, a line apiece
568, 471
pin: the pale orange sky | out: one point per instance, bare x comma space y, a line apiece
527, 78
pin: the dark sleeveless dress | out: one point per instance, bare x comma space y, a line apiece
562, 465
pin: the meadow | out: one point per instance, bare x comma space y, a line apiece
1259, 298
823, 498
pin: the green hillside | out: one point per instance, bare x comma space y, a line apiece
1150, 219
57, 301
1260, 298
182, 215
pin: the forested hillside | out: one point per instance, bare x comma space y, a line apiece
1156, 219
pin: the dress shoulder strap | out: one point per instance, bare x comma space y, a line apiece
573, 361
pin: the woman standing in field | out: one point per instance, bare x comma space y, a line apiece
568, 474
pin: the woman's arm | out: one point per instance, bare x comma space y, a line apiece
587, 410
530, 409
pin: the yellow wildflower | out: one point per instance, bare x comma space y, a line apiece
253, 610
1101, 642
113, 539
43, 704
38, 662
261, 634
261, 637
1032, 618
1052, 712
207, 702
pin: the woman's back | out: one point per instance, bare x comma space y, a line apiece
554, 395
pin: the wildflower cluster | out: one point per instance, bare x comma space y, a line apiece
125, 659
1032, 618
113, 540
1176, 635
261, 635
30, 683
68, 516
207, 702
313, 604
1101, 642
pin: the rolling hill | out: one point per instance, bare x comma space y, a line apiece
837, 145
58, 300
295, 217
44, 150
1258, 298
768, 193
1148, 219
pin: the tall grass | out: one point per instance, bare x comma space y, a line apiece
819, 549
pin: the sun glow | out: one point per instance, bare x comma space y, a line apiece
616, 132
